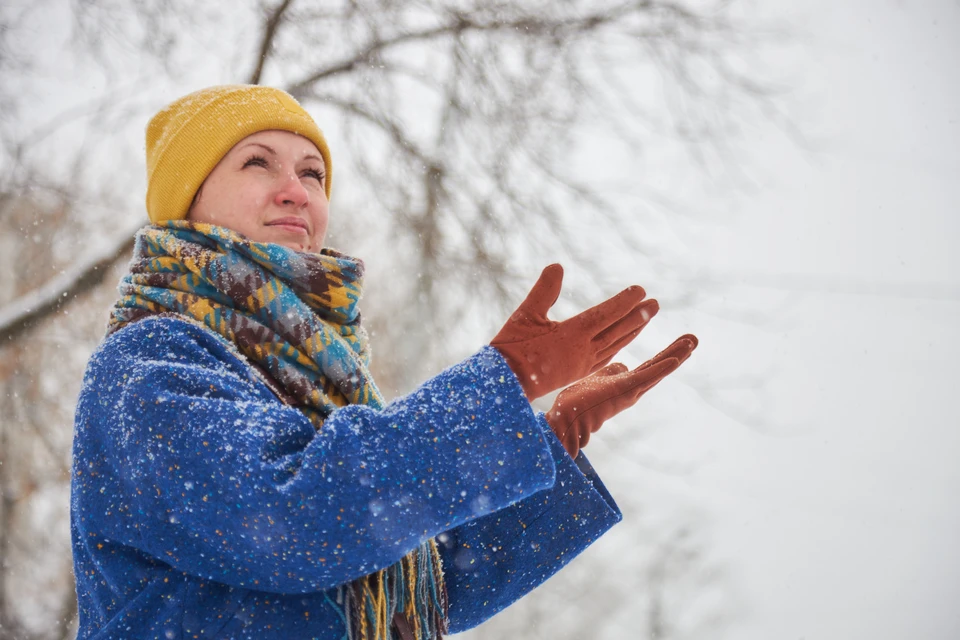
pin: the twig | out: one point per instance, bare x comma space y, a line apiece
269, 33
29, 309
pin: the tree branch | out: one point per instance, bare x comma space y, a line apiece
269, 32
460, 24
390, 127
36, 305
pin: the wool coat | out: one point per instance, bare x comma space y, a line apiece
202, 506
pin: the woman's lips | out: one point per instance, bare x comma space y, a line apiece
293, 225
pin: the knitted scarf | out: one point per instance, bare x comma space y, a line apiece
295, 318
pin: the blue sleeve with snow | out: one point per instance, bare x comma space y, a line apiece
182, 453
492, 561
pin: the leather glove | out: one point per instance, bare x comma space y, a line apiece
582, 408
547, 355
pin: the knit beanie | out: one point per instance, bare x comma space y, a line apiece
187, 139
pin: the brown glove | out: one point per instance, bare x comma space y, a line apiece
582, 408
546, 355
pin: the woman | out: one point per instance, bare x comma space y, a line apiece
237, 473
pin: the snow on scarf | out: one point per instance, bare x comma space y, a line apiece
294, 316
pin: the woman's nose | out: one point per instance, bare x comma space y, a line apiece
291, 192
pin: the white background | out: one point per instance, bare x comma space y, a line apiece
833, 489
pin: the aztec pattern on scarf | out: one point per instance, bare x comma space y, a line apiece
295, 316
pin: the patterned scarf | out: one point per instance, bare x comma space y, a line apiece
295, 318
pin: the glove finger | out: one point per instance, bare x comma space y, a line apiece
596, 379
692, 338
545, 291
607, 313
623, 391
608, 352
612, 369
684, 344
632, 323
595, 382
644, 378
681, 348
683, 355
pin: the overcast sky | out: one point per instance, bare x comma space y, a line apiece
839, 511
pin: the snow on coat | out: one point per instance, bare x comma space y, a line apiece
204, 507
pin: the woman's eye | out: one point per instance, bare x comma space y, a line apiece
313, 173
255, 161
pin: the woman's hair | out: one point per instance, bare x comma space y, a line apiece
187, 138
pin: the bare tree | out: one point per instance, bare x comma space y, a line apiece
40, 377
458, 119
456, 171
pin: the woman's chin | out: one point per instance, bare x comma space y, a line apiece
296, 246
298, 243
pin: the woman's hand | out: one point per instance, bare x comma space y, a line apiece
547, 355
582, 408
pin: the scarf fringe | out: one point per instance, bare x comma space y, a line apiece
412, 588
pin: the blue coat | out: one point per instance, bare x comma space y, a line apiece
204, 507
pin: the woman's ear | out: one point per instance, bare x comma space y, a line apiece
196, 199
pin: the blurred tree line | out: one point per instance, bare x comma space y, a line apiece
456, 129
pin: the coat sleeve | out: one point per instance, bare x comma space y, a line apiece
181, 453
494, 560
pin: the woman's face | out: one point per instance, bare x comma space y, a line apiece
270, 188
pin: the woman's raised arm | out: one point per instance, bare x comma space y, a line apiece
181, 454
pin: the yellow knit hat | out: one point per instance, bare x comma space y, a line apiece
187, 139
